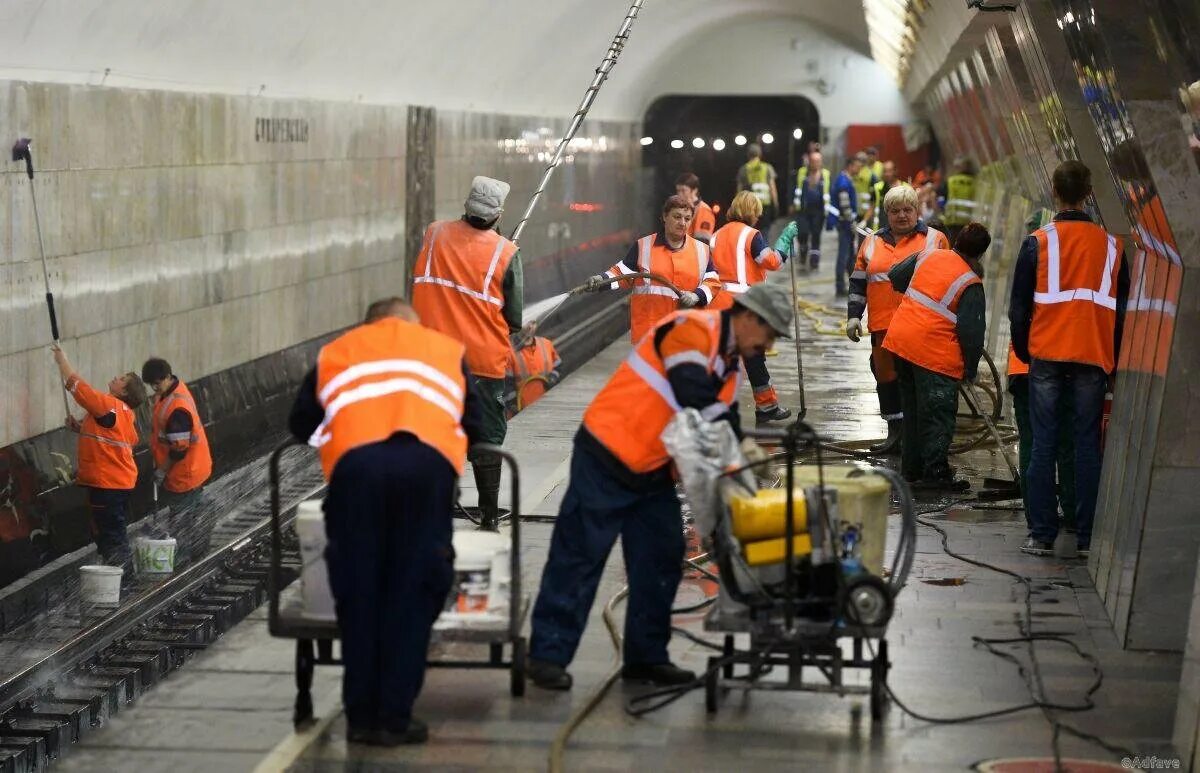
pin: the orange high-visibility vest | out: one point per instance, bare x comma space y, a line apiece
1015, 366
736, 267
686, 268
923, 329
386, 377
528, 365
634, 407
1075, 302
196, 466
703, 220
105, 453
876, 257
457, 290
1157, 279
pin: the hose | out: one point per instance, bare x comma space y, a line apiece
653, 277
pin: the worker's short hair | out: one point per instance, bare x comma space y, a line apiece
155, 369
973, 240
135, 392
871, 149
675, 201
901, 195
746, 208
860, 157
754, 151
1072, 182
389, 307
688, 179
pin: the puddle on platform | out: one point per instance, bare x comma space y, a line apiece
946, 581
968, 514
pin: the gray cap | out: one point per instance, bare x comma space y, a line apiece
771, 302
486, 199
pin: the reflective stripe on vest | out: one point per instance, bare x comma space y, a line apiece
941, 307
1105, 296
106, 440
162, 411
482, 295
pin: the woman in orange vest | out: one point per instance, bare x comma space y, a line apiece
704, 220
622, 484
937, 336
182, 461
391, 409
673, 255
533, 368
871, 293
1069, 290
742, 258
107, 435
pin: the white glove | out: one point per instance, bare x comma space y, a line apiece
688, 299
854, 329
597, 283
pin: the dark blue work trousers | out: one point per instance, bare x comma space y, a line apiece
108, 508
391, 563
1086, 383
596, 510
845, 256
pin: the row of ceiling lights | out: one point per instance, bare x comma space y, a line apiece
765, 138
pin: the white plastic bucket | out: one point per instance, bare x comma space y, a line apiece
314, 575
100, 586
154, 556
482, 576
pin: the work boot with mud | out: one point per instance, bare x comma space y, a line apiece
549, 676
660, 674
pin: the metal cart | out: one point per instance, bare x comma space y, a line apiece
315, 638
803, 624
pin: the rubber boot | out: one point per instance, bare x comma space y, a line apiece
891, 444
487, 481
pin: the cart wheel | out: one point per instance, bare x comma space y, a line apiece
517, 670
727, 669
711, 681
879, 669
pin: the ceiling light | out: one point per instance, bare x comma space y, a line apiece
698, 143
739, 140
677, 144
768, 138
797, 133
718, 144
647, 141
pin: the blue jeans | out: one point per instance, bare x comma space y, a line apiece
1086, 383
845, 256
391, 564
596, 510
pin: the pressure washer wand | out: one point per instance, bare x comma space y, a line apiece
21, 152
653, 277
589, 96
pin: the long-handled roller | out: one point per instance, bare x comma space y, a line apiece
21, 152
803, 410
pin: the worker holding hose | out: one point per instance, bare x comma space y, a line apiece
468, 284
532, 367
872, 293
937, 336
742, 258
391, 408
107, 435
672, 254
622, 484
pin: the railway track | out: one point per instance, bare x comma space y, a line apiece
89, 668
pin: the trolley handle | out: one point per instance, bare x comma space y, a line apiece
275, 575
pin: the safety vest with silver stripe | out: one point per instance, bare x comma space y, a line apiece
737, 268
924, 330
195, 467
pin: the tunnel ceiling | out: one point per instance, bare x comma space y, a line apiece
521, 56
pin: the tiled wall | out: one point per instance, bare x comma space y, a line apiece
190, 226
588, 216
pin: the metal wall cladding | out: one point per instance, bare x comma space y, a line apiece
586, 219
208, 229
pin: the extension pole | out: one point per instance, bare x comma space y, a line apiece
589, 96
21, 152
796, 337
991, 425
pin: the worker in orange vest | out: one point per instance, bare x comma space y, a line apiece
107, 435
871, 292
468, 284
390, 407
1069, 290
182, 460
704, 221
532, 368
742, 258
673, 255
937, 336
622, 482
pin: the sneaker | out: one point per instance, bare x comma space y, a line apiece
364, 735
1036, 548
777, 413
660, 674
416, 732
549, 676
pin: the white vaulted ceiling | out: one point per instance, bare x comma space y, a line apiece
520, 56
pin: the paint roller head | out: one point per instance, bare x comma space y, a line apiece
21, 152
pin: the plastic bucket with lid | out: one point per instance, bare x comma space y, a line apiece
154, 556
482, 577
100, 586
314, 575
864, 498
